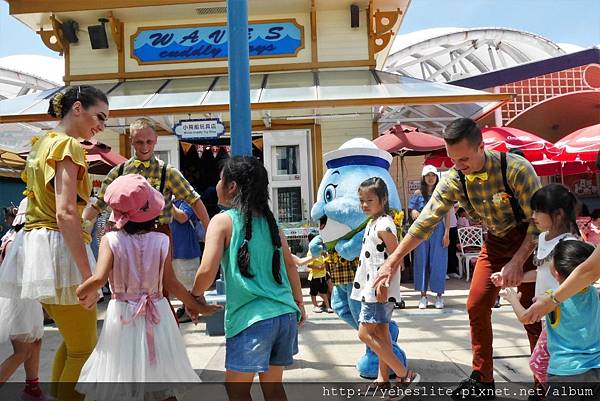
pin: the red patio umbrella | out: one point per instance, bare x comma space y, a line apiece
548, 167
581, 145
503, 139
100, 158
408, 141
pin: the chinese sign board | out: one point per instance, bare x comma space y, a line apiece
199, 129
209, 42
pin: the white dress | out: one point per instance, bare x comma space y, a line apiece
22, 319
44, 269
140, 351
372, 255
544, 280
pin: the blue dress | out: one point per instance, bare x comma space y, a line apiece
430, 257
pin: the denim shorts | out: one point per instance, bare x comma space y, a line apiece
374, 312
272, 341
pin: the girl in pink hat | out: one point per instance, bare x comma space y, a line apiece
140, 340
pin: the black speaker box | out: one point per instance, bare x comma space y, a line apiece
98, 37
69, 30
354, 14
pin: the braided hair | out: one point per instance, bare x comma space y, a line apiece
252, 196
61, 103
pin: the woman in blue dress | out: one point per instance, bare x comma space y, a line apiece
431, 256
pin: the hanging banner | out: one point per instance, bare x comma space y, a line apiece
208, 42
209, 128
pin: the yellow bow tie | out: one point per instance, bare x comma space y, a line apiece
482, 176
138, 163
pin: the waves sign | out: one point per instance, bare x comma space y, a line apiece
208, 42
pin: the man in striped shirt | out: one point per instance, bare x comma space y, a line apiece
494, 188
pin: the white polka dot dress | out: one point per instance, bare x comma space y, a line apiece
372, 255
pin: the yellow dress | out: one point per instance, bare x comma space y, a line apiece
44, 268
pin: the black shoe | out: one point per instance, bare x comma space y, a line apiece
497, 304
473, 389
400, 305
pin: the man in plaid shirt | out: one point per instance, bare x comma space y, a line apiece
496, 189
144, 138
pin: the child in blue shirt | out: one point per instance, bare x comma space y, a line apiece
573, 331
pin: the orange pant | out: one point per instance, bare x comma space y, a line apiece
495, 253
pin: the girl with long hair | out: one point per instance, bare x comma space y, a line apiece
264, 298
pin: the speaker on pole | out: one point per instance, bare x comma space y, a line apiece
354, 16
97, 34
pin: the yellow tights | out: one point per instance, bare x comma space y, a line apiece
77, 326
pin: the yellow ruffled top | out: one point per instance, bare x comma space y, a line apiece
39, 174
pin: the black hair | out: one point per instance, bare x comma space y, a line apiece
569, 254
61, 103
252, 196
596, 214
460, 211
552, 198
132, 227
377, 185
311, 236
462, 128
425, 187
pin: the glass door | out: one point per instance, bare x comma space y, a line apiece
288, 163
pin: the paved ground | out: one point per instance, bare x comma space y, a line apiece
436, 342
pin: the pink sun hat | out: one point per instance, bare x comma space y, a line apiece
132, 198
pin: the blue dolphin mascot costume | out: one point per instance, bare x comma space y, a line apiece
342, 223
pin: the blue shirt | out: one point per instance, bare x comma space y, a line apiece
574, 334
185, 244
418, 202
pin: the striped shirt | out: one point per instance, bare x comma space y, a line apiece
175, 185
489, 203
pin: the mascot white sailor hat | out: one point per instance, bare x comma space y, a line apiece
358, 151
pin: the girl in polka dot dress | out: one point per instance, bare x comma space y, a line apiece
376, 308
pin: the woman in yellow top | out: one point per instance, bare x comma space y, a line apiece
50, 257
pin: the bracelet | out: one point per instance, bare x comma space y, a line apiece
199, 298
553, 298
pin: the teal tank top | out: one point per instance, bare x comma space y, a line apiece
574, 334
251, 300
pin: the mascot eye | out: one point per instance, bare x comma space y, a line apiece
329, 194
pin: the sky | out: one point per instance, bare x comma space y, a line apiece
571, 21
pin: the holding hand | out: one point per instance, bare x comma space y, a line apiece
496, 279
200, 307
88, 297
381, 293
511, 295
512, 274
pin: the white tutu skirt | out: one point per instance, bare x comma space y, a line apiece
122, 356
22, 320
39, 266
